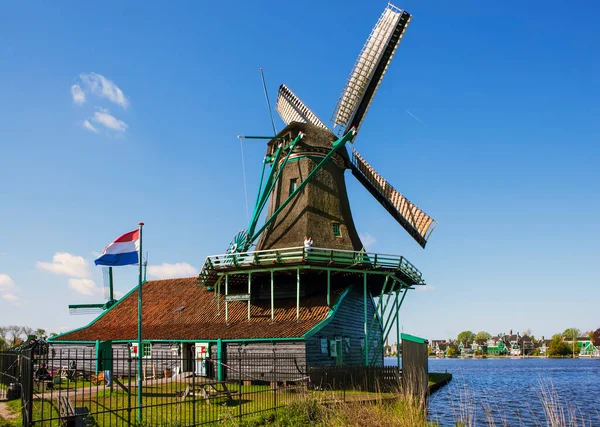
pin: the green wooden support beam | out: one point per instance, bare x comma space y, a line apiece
226, 302
249, 292
263, 193
329, 288
297, 294
262, 137
366, 332
75, 306
373, 324
398, 332
387, 330
272, 298
271, 183
219, 360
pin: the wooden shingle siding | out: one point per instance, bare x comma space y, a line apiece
163, 357
284, 361
84, 355
348, 322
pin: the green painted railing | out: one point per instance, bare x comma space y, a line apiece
325, 256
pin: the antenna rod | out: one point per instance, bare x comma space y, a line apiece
262, 75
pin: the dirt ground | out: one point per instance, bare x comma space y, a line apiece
7, 413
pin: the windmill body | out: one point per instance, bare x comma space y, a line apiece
321, 210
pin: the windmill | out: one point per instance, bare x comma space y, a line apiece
305, 188
107, 276
109, 294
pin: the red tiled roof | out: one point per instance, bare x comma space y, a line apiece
199, 318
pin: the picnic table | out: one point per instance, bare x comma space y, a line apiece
209, 390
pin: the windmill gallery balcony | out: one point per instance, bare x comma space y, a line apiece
301, 258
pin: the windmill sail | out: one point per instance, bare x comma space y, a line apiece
369, 69
418, 224
291, 109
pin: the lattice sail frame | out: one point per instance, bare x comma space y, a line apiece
415, 218
366, 65
292, 109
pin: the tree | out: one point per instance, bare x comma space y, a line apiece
465, 337
40, 333
26, 331
558, 347
482, 336
451, 351
571, 334
14, 334
596, 338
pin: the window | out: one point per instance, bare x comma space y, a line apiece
336, 229
293, 182
147, 350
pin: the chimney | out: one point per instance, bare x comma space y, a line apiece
510, 332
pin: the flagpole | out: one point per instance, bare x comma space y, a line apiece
140, 346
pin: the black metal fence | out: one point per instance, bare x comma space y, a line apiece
9, 376
73, 387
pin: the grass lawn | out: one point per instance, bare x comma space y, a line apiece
164, 405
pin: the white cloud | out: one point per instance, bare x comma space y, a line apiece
11, 297
6, 283
66, 264
118, 294
109, 121
87, 125
367, 240
7, 288
426, 288
85, 287
78, 94
168, 271
101, 86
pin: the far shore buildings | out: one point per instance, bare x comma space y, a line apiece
512, 345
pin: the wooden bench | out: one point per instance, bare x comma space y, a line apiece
210, 391
66, 411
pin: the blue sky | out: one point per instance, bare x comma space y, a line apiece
487, 119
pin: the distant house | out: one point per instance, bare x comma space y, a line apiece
583, 346
544, 346
496, 347
526, 344
466, 349
439, 347
511, 342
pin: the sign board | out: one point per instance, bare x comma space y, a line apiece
237, 297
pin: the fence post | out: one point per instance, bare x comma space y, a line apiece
274, 382
129, 388
241, 382
194, 392
27, 387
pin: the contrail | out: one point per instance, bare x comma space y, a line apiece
414, 117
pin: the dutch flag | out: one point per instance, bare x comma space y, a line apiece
123, 251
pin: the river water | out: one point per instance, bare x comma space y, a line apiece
511, 392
